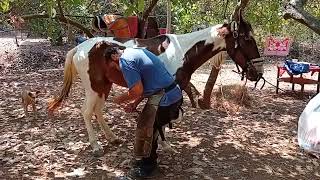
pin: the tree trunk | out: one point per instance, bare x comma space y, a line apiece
168, 16
144, 17
205, 101
295, 10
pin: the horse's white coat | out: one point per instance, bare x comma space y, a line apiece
180, 44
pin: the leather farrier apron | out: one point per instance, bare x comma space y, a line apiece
145, 125
144, 130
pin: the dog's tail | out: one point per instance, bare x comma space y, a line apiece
69, 73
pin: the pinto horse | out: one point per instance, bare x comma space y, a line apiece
182, 55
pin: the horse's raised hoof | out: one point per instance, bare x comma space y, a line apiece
203, 104
98, 152
116, 141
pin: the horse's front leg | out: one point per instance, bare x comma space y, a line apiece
205, 101
103, 124
188, 90
87, 111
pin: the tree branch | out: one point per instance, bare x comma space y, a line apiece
240, 6
295, 10
298, 3
60, 8
149, 9
61, 19
90, 3
144, 17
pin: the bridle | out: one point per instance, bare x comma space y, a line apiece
249, 63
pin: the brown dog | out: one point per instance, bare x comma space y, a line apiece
28, 98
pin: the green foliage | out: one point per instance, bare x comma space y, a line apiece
265, 17
187, 15
5, 5
134, 7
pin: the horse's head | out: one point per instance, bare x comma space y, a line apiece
242, 48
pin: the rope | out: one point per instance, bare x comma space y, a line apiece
266, 81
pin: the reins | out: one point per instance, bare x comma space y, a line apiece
266, 81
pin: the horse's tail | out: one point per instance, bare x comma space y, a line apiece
69, 73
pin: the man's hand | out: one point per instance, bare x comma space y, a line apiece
134, 93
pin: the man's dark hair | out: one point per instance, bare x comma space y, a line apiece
111, 50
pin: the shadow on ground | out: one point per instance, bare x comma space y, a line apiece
258, 142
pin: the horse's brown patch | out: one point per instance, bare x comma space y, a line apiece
156, 45
101, 75
123, 40
194, 58
96, 71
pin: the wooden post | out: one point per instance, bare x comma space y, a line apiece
278, 76
302, 85
318, 85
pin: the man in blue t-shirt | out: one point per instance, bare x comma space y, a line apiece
146, 77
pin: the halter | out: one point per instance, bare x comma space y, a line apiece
237, 47
249, 63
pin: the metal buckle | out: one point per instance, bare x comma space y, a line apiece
235, 34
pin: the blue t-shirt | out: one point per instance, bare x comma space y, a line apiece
141, 65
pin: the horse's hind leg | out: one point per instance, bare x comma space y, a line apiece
87, 110
103, 124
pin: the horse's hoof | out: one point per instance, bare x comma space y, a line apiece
117, 141
193, 105
98, 152
203, 105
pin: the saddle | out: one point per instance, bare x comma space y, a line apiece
119, 26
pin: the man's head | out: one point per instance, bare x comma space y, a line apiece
112, 53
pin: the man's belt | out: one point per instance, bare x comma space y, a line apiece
169, 88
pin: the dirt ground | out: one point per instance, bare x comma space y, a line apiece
258, 142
